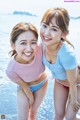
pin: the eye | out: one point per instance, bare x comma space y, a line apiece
54, 29
44, 25
34, 42
23, 43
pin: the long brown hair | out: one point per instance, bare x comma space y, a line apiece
20, 28
62, 19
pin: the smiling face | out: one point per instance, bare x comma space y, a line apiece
50, 34
54, 25
25, 46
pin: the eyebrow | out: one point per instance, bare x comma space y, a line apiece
52, 25
22, 40
55, 26
26, 40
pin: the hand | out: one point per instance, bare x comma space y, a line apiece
31, 98
29, 94
27, 91
75, 105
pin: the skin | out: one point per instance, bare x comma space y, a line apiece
51, 36
27, 101
25, 48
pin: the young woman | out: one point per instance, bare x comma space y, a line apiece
59, 57
27, 70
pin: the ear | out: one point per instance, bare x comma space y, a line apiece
64, 35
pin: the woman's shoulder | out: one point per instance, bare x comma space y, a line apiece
67, 56
67, 49
67, 52
11, 64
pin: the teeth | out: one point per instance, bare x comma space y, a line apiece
28, 53
46, 38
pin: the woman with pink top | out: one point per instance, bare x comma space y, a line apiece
27, 70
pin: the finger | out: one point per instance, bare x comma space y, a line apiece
76, 108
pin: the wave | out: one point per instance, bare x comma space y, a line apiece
78, 17
22, 13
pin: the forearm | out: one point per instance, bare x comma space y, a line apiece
27, 91
73, 92
72, 79
22, 83
25, 87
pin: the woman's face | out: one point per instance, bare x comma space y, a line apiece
25, 46
50, 34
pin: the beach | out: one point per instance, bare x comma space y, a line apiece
8, 89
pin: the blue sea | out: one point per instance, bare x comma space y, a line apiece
8, 88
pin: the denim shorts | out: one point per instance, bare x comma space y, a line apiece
35, 87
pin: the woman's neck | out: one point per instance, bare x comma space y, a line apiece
51, 52
54, 48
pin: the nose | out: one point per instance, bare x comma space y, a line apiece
28, 47
47, 31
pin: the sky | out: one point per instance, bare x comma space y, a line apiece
38, 7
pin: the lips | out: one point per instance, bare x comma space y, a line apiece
46, 39
28, 54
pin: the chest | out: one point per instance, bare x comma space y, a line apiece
30, 73
51, 58
54, 64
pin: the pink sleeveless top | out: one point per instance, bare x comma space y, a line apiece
27, 72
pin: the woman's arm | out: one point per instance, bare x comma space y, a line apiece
24, 85
72, 79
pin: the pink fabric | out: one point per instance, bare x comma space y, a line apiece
27, 72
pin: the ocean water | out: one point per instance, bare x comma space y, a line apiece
8, 88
